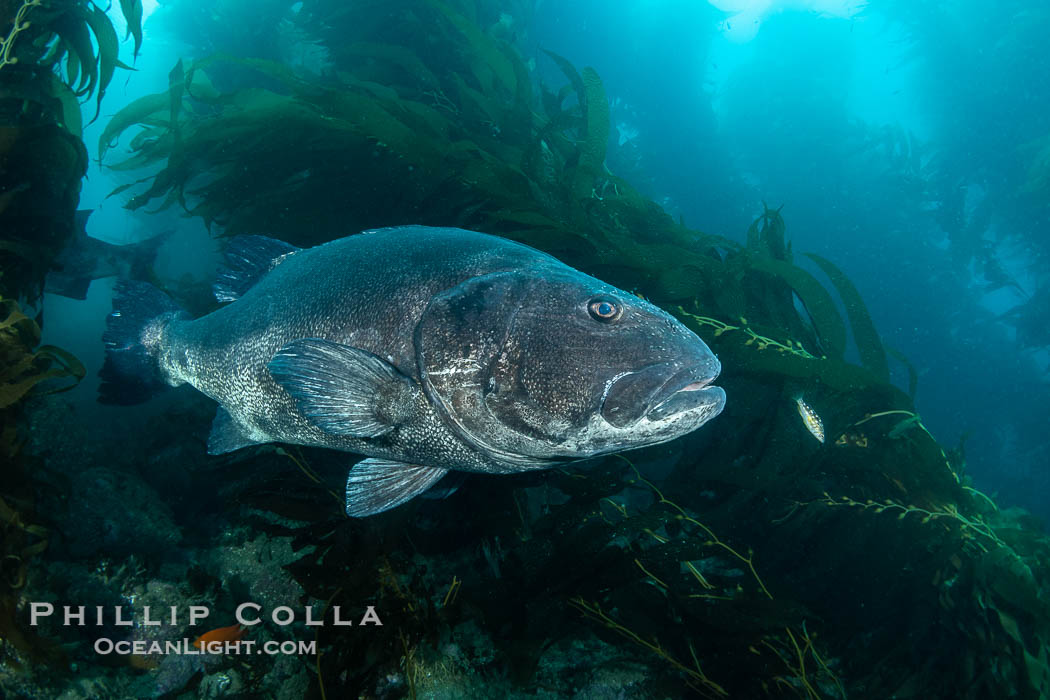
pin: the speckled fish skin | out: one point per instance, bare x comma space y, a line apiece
504, 368
810, 419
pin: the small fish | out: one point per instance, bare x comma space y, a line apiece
811, 419
233, 633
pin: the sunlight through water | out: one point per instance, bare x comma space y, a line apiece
746, 16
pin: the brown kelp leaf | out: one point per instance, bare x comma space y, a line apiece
571, 73
12, 371
71, 117
766, 235
199, 85
818, 301
176, 83
134, 113
526, 217
15, 319
72, 65
132, 10
149, 146
680, 283
108, 48
490, 66
21, 369
596, 137
1039, 671
67, 361
913, 374
72, 28
122, 188
405, 61
274, 69
834, 374
475, 101
872, 354
11, 393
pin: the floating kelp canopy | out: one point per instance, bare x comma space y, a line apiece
763, 561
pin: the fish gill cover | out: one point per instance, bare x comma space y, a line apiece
760, 563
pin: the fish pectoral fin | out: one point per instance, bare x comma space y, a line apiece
227, 434
344, 390
375, 485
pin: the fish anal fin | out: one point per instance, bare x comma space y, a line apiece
227, 434
375, 485
446, 487
246, 261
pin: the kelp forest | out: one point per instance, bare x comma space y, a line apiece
749, 559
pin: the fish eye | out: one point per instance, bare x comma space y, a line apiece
605, 310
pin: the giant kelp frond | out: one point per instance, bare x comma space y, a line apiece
132, 11
831, 332
25, 364
73, 37
872, 354
767, 235
594, 126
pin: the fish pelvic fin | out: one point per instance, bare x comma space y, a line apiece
344, 390
375, 485
228, 434
134, 337
246, 261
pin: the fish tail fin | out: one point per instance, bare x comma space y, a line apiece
133, 337
143, 255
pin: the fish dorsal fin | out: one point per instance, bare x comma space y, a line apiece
246, 261
227, 434
375, 485
344, 390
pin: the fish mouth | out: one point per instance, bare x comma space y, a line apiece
688, 390
657, 393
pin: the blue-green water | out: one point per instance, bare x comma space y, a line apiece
892, 161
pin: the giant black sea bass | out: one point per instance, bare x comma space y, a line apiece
428, 350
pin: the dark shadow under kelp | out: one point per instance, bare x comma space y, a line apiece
759, 562
25, 365
51, 53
